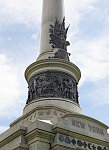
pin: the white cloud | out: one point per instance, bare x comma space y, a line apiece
1, 40
89, 53
92, 57
9, 88
9, 38
34, 36
3, 128
102, 93
75, 10
26, 12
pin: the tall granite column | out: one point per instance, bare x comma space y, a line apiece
53, 79
52, 10
53, 32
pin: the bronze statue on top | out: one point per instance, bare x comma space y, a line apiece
58, 36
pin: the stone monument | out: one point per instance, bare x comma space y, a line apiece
52, 118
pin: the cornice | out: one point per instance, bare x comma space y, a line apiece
21, 147
37, 133
57, 129
39, 108
21, 131
51, 64
85, 117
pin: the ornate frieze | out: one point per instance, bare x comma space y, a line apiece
52, 84
80, 143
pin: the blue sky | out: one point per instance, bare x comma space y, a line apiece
20, 22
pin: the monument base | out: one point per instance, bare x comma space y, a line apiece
72, 131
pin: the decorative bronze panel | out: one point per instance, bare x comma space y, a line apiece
58, 36
80, 143
52, 84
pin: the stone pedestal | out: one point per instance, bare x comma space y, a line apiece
72, 131
52, 118
53, 101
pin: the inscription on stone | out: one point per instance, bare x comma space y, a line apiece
96, 129
91, 128
78, 124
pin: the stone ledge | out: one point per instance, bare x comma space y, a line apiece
53, 64
59, 128
11, 134
85, 117
76, 143
21, 147
36, 109
40, 125
39, 129
43, 107
60, 147
66, 105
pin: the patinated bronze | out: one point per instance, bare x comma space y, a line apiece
58, 36
53, 84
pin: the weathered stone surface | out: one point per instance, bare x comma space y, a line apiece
13, 139
83, 125
69, 132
